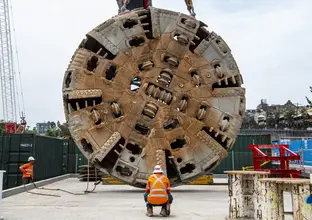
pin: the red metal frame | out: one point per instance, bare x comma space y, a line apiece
285, 155
13, 128
9, 127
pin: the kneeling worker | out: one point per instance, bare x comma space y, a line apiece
157, 192
28, 171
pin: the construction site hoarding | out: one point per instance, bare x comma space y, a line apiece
15, 150
55, 157
240, 156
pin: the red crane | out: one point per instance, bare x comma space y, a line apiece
9, 90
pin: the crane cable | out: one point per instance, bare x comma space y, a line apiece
18, 66
190, 7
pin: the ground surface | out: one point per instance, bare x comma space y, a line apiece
113, 202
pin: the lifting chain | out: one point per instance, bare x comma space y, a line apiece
165, 77
190, 7
115, 108
150, 110
201, 114
182, 105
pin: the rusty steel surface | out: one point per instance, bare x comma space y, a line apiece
153, 87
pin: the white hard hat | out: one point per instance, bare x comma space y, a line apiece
157, 169
31, 158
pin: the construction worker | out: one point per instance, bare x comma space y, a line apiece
28, 171
157, 192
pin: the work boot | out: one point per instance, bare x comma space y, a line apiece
163, 211
149, 212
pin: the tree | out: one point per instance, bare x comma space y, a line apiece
51, 133
1, 127
28, 131
249, 122
271, 120
64, 131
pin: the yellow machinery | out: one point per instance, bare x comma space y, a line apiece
252, 167
203, 180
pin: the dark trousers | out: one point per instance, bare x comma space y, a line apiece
27, 180
148, 205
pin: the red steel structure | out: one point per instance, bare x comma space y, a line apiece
10, 128
285, 155
14, 128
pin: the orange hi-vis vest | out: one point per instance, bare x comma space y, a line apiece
158, 186
27, 170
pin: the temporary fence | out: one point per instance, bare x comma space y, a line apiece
302, 147
15, 150
240, 156
56, 156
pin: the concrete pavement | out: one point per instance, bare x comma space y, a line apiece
113, 202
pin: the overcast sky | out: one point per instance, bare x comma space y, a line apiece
270, 40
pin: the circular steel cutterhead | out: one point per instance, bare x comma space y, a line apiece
136, 96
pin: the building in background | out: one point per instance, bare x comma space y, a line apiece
43, 128
287, 116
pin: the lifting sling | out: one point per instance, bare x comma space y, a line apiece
122, 4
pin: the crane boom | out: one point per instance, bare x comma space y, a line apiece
6, 65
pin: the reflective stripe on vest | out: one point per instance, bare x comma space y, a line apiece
158, 180
163, 190
157, 195
158, 190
